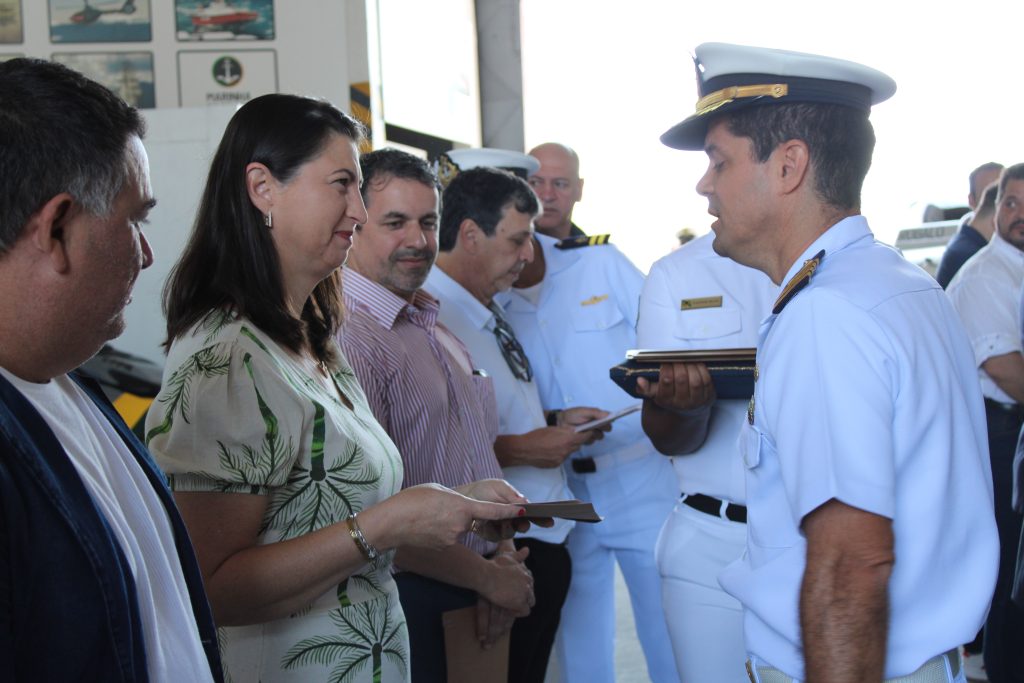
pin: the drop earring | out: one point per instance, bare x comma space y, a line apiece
268, 220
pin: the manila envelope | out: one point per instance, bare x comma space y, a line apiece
467, 661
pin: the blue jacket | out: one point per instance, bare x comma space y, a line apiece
68, 608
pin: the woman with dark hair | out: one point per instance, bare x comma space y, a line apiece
266, 437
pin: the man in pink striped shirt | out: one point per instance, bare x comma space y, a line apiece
422, 387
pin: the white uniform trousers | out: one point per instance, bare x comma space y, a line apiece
634, 498
704, 622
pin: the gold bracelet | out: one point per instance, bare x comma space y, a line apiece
365, 548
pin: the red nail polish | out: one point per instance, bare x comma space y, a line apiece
522, 511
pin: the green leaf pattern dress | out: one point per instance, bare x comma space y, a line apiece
238, 413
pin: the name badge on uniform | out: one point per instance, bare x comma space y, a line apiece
593, 300
700, 302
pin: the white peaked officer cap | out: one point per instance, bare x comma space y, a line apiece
516, 162
734, 77
456, 160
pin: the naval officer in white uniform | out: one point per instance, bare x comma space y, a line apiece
695, 299
574, 309
872, 549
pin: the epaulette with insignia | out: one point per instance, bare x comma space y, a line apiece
798, 282
582, 241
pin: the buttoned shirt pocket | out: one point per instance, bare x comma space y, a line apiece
769, 523
595, 316
708, 323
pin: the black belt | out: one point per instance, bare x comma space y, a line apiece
713, 506
1015, 410
583, 465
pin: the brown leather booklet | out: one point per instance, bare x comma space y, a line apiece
564, 509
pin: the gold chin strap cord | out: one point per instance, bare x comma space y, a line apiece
714, 100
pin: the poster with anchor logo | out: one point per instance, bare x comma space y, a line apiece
211, 77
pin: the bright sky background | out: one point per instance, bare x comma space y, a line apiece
608, 77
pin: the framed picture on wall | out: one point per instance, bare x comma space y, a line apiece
224, 19
100, 21
213, 77
129, 74
11, 30
10, 55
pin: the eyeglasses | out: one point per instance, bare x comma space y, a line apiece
510, 347
560, 184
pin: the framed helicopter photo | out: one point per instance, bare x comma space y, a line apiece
100, 21
128, 74
11, 30
224, 20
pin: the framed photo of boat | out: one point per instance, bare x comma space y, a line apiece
129, 74
100, 21
224, 19
11, 28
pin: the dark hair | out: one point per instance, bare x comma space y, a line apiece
840, 141
230, 262
973, 178
393, 163
59, 132
482, 194
1015, 172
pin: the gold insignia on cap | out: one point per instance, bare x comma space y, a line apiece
713, 101
593, 300
798, 282
446, 170
700, 302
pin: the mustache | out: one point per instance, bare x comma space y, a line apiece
413, 253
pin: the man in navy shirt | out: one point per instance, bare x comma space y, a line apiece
975, 229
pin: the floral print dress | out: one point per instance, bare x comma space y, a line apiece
238, 413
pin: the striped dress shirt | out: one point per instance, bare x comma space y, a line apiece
419, 380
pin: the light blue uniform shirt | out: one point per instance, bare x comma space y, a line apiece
868, 394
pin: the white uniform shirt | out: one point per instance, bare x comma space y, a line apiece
695, 271
580, 327
984, 292
519, 406
867, 393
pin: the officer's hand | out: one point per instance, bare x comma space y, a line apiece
681, 387
571, 417
550, 446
